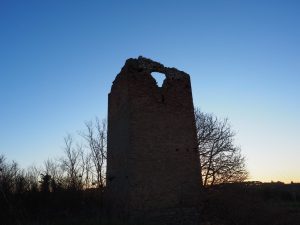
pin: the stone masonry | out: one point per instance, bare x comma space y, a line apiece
152, 158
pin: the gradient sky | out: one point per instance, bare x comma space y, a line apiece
58, 60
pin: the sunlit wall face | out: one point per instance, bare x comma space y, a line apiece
58, 62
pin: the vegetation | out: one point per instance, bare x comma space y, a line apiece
62, 188
252, 203
221, 161
69, 190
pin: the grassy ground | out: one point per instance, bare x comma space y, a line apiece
223, 205
253, 205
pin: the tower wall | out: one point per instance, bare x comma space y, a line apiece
153, 162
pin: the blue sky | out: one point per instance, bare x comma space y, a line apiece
58, 60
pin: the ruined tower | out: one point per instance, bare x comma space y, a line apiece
152, 159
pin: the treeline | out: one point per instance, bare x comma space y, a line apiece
83, 162
64, 190
82, 166
69, 189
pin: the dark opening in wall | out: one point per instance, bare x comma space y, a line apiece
159, 78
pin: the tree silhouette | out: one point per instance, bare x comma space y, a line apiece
71, 163
95, 136
221, 161
45, 183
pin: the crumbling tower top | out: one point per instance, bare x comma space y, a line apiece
145, 65
148, 65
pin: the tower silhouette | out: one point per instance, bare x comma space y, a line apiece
152, 159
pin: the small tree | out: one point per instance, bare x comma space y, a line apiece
86, 169
71, 163
32, 176
45, 183
54, 169
21, 183
221, 161
95, 136
8, 175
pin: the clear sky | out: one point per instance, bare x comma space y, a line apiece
58, 59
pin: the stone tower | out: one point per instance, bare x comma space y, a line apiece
152, 158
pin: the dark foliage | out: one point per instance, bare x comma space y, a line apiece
252, 204
226, 204
62, 207
71, 190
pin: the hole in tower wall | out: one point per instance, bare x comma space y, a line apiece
159, 78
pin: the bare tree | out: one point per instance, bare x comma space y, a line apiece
53, 168
21, 183
71, 163
221, 161
95, 136
86, 169
8, 175
32, 176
